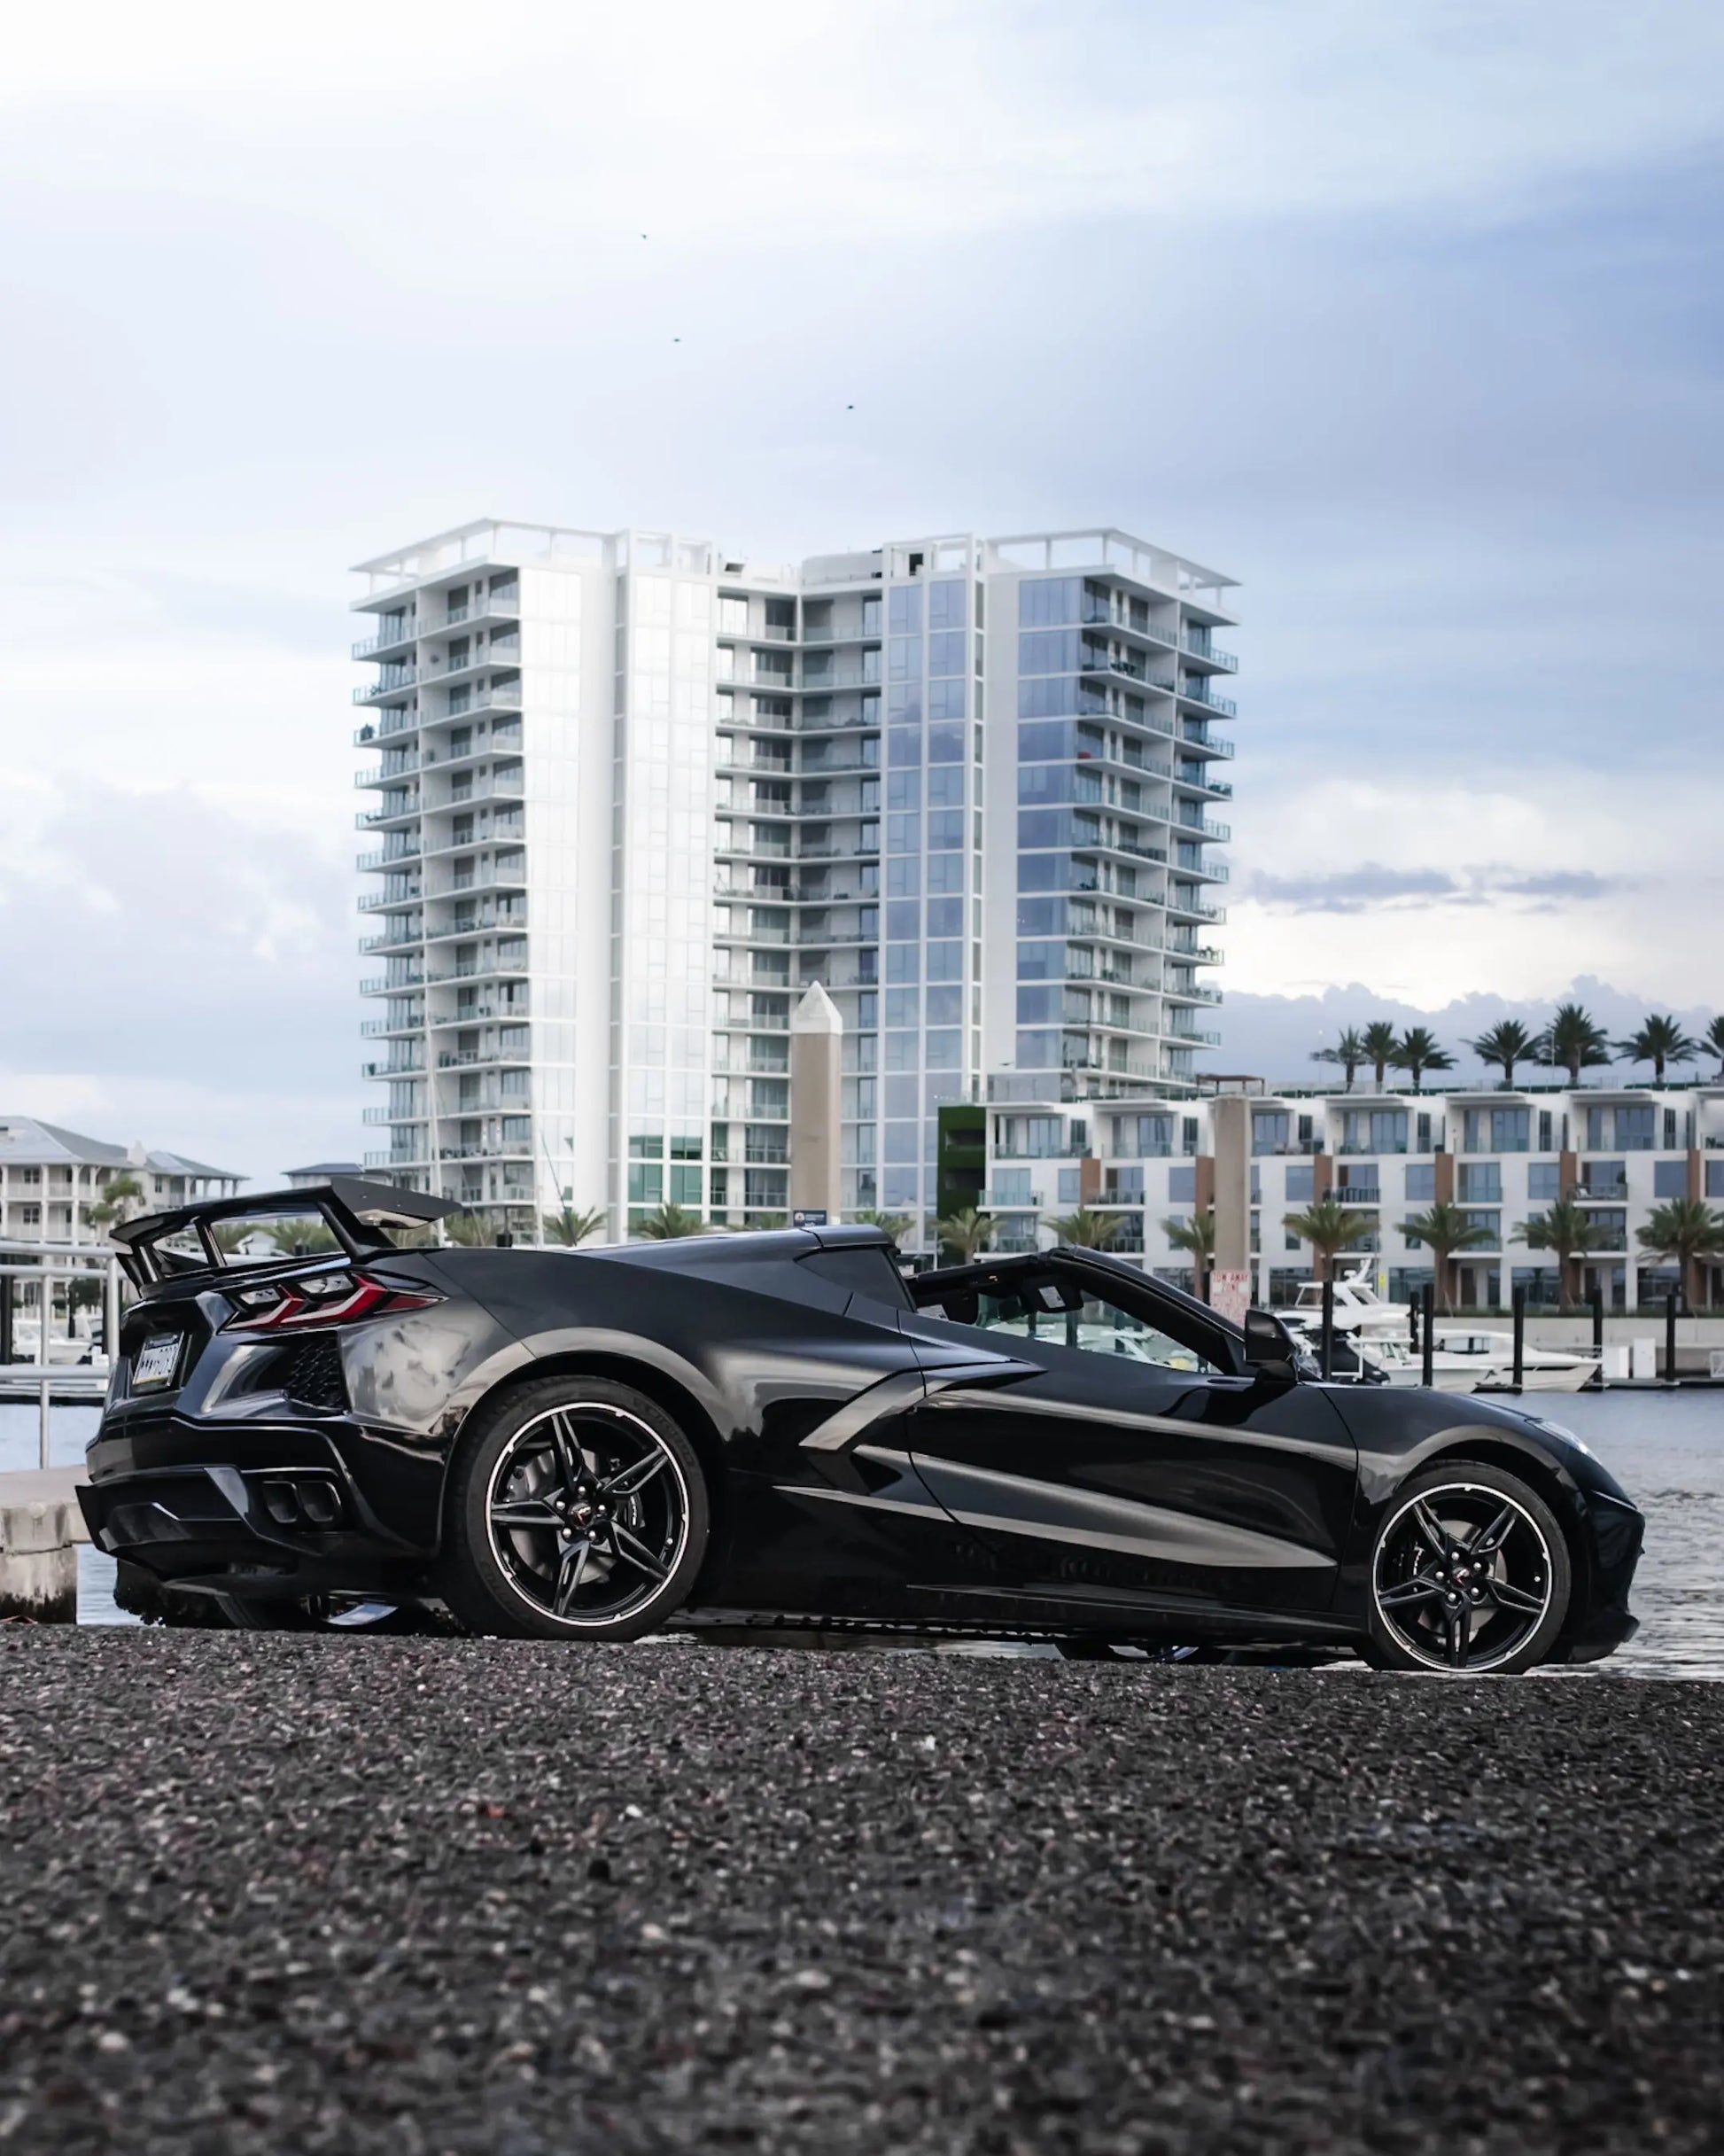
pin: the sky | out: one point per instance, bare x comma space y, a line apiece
1407, 318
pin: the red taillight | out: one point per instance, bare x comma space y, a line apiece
331, 1298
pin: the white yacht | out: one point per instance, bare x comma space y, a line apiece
1493, 1355
1358, 1307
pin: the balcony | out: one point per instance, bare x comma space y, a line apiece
489, 606
503, 1012
387, 639
1115, 666
1198, 692
391, 682
1199, 737
399, 1160
391, 772
1203, 831
390, 855
1196, 645
472, 1059
502, 651
1195, 1036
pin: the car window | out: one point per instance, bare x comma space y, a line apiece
1097, 1327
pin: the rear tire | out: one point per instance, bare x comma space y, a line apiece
1470, 1575
577, 1510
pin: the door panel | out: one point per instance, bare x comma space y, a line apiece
1105, 1471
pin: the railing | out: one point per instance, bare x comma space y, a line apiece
1199, 647
389, 682
368, 647
1199, 692
463, 1059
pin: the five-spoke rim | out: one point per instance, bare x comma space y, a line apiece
1463, 1578
587, 1513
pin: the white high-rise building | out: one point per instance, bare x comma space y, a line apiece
635, 795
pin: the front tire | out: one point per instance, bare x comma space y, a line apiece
578, 1510
1470, 1575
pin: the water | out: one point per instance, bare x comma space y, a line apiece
1667, 1449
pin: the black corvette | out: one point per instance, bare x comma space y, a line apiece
594, 1444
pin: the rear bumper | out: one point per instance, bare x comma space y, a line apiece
279, 1531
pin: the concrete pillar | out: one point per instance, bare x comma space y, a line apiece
817, 1045
1230, 1127
38, 1564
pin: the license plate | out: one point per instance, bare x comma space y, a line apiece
157, 1360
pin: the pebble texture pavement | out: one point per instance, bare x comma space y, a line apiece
277, 1893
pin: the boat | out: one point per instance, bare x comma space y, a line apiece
1542, 1369
1357, 1306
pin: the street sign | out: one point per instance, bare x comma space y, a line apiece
1229, 1294
811, 1216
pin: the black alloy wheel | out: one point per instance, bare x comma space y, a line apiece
579, 1511
1471, 1575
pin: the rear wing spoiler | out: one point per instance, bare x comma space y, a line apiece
357, 1213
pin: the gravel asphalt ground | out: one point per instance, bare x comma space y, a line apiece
286, 1893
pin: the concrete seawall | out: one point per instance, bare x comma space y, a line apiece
39, 1534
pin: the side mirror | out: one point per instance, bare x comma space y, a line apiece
1269, 1348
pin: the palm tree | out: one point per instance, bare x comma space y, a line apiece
1417, 1050
964, 1234
118, 1195
1567, 1231
669, 1224
1503, 1046
896, 1225
1573, 1041
1380, 1044
1197, 1235
1443, 1229
571, 1228
1659, 1041
1713, 1041
1330, 1227
1084, 1230
1687, 1230
1349, 1051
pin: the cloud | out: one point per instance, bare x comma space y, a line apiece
1349, 891
1371, 886
178, 971
1274, 1036
1430, 888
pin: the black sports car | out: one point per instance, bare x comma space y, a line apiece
592, 1445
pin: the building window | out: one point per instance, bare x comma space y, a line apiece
1545, 1179
1421, 1182
1670, 1178
1480, 1182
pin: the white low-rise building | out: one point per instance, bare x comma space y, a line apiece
1501, 1156
49, 1177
